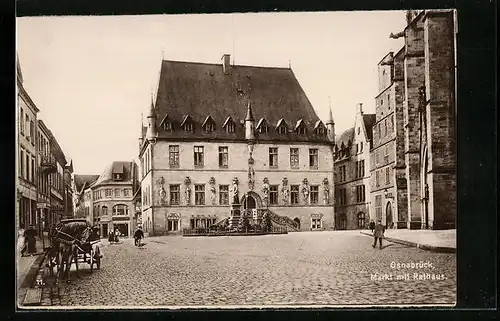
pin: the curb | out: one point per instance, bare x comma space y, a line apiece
34, 281
430, 248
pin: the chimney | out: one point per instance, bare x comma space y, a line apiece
359, 108
226, 64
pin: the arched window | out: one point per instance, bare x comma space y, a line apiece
120, 209
361, 220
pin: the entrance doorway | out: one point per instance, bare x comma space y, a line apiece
388, 215
105, 230
249, 202
123, 228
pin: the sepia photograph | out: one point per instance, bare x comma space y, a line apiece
239, 160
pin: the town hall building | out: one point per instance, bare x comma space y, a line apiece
222, 133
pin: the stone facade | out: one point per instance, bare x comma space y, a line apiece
159, 203
109, 200
352, 174
198, 160
418, 155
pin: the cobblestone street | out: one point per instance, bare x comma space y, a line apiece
308, 268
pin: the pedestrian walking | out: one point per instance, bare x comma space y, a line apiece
138, 235
21, 241
372, 225
111, 236
378, 234
30, 235
117, 233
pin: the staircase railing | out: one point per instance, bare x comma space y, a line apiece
283, 220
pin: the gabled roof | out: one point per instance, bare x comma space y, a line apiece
201, 89
261, 122
83, 181
208, 120
369, 120
228, 120
299, 123
318, 124
281, 122
126, 169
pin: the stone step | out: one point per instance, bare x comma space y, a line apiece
33, 297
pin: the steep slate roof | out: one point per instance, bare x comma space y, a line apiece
345, 137
82, 181
369, 120
200, 90
107, 175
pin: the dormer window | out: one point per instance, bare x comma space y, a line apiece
262, 127
282, 127
209, 124
300, 127
117, 177
167, 126
229, 125
319, 128
187, 124
189, 127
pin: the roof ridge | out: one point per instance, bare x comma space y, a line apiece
219, 64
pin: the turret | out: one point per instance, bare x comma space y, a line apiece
141, 133
249, 123
330, 127
151, 133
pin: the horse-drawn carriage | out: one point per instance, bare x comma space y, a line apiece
73, 241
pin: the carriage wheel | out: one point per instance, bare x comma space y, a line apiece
91, 260
98, 258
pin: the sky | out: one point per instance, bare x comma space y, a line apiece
93, 76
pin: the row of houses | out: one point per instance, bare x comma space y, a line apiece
399, 164
109, 200
44, 186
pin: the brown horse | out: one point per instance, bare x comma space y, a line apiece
66, 239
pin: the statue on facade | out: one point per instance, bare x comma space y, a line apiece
212, 189
235, 191
285, 190
265, 188
187, 183
326, 191
161, 192
251, 178
305, 190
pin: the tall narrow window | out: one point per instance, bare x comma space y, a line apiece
342, 173
27, 124
32, 132
223, 157
273, 194
198, 156
33, 169
377, 178
224, 194
294, 158
282, 130
21, 121
386, 154
294, 194
313, 158
199, 194
174, 194
28, 170
387, 175
173, 156
21, 165
117, 193
377, 157
314, 194
273, 157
